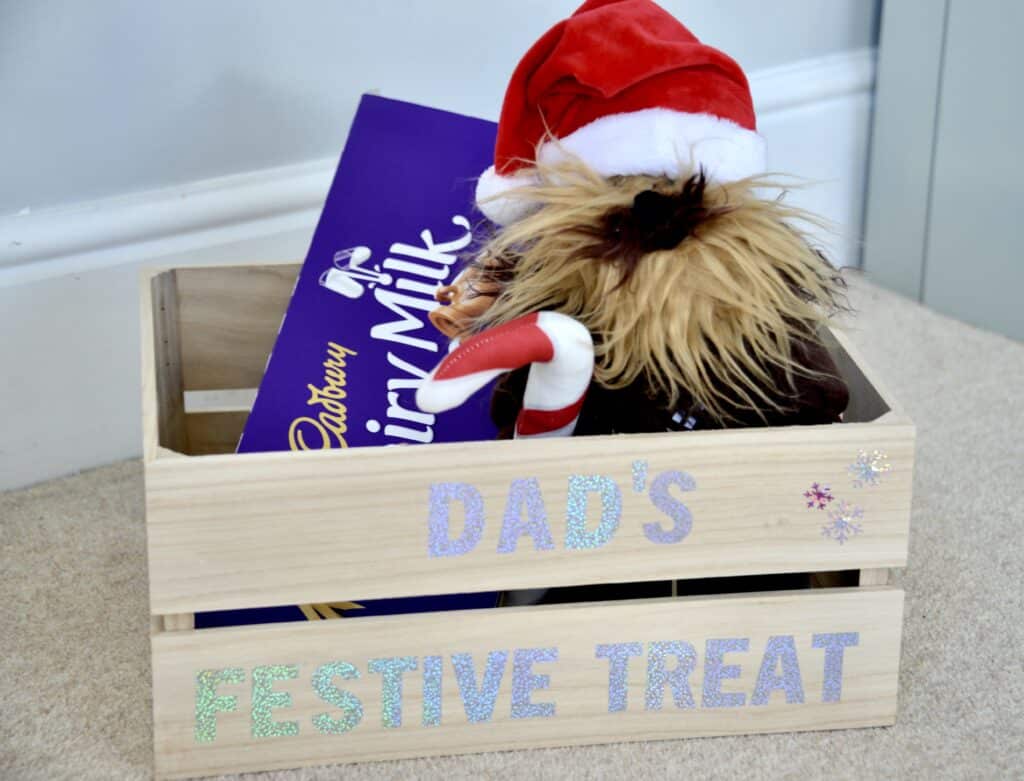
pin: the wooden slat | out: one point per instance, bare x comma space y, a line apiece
283, 528
229, 319
874, 577
214, 432
148, 378
163, 410
234, 400
179, 622
578, 679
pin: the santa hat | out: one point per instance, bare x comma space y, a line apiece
626, 88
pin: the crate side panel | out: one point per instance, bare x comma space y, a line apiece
229, 318
867, 402
214, 432
270, 529
870, 397
147, 365
163, 410
281, 721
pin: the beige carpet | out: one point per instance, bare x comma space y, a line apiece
74, 671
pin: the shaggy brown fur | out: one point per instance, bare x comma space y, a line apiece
712, 313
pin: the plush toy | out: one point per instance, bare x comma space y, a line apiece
642, 275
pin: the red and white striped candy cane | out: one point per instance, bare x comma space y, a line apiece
560, 352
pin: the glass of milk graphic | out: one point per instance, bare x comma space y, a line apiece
347, 274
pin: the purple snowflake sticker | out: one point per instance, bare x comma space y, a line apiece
843, 522
818, 496
869, 468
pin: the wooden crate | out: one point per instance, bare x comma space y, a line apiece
230, 531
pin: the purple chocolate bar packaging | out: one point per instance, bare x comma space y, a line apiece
356, 338
397, 223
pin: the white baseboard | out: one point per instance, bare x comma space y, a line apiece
811, 81
69, 387
208, 213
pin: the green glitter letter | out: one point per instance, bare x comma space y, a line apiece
352, 708
391, 670
208, 704
265, 699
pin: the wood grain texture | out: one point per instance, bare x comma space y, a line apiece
163, 406
280, 528
874, 577
234, 400
151, 446
578, 680
179, 622
229, 319
214, 432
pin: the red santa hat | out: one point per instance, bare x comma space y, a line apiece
626, 88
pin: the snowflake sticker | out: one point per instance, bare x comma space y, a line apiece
818, 496
843, 523
869, 468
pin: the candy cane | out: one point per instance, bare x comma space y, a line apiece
559, 351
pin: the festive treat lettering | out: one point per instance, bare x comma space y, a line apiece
680, 675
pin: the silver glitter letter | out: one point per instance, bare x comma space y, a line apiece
265, 699
834, 643
671, 506
525, 492
432, 666
479, 703
351, 707
617, 655
779, 648
524, 682
715, 672
441, 496
208, 704
576, 535
678, 678
391, 670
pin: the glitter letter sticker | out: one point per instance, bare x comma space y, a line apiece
671, 507
209, 703
442, 495
577, 536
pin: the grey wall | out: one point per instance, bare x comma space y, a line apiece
972, 258
944, 201
111, 96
